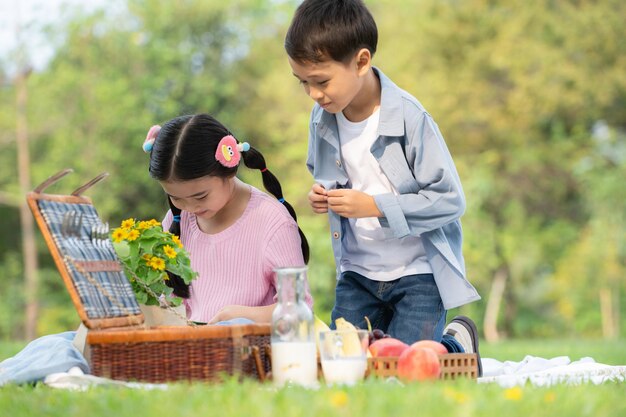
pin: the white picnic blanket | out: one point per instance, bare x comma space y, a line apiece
76, 379
546, 372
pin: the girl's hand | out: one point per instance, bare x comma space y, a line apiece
230, 312
352, 203
261, 314
318, 199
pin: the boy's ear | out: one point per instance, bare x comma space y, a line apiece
363, 61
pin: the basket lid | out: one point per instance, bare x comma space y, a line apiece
88, 264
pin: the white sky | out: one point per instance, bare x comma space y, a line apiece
30, 15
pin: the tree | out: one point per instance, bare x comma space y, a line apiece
514, 87
518, 90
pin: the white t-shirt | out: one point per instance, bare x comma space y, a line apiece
367, 248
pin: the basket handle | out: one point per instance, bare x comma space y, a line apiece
77, 192
256, 352
51, 180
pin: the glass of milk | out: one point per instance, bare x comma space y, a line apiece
344, 356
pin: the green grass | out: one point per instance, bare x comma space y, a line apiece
10, 348
374, 398
608, 352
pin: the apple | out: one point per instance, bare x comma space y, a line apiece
431, 344
387, 347
418, 364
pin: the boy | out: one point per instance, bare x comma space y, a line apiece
385, 177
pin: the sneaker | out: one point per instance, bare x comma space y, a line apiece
464, 331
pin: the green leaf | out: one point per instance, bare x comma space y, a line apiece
147, 245
134, 256
122, 249
142, 297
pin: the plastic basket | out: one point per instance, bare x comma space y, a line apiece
453, 365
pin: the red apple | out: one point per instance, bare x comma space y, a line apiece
431, 344
418, 364
387, 347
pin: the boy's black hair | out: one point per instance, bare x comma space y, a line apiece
330, 29
185, 150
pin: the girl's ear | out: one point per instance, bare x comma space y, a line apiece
363, 61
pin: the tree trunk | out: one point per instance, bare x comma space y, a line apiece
509, 315
617, 315
607, 311
29, 248
498, 286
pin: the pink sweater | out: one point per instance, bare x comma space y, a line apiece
235, 266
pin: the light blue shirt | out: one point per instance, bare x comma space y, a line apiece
413, 155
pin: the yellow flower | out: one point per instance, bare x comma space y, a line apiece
176, 240
119, 234
339, 399
143, 225
128, 223
132, 235
513, 394
549, 397
457, 396
157, 263
148, 253
169, 251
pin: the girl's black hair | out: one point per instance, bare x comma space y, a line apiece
185, 150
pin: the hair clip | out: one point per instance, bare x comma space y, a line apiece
228, 152
150, 138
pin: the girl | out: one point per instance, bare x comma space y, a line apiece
235, 234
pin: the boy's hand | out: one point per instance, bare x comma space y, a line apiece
352, 203
318, 199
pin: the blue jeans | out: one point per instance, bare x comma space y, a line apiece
408, 308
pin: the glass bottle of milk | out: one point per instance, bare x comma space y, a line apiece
294, 355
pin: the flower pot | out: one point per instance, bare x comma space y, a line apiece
160, 316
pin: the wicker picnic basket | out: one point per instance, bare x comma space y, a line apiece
119, 345
453, 365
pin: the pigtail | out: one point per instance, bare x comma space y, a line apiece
253, 159
181, 289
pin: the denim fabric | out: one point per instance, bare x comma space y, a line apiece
409, 308
234, 322
452, 344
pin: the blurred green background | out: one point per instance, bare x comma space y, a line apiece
530, 97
